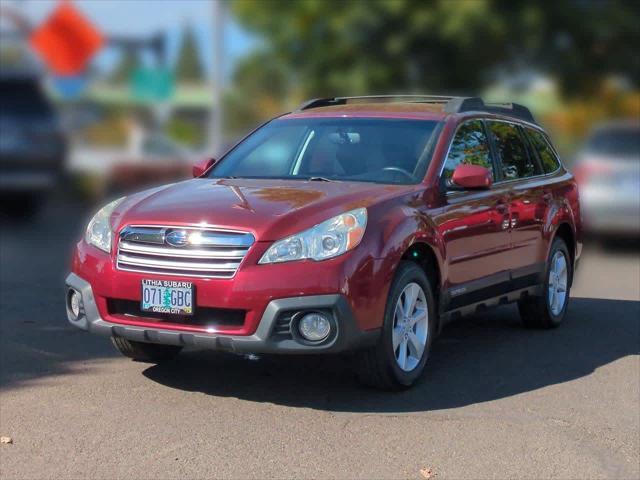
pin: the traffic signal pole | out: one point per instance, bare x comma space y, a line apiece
217, 114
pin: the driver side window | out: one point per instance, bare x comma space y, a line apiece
469, 146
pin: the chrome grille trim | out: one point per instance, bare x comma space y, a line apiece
212, 253
195, 266
217, 253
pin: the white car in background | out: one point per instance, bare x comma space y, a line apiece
148, 159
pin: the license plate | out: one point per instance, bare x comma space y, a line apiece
167, 296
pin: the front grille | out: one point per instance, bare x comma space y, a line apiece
186, 251
202, 316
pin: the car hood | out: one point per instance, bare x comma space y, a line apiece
270, 209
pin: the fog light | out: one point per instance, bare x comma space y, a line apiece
75, 300
314, 327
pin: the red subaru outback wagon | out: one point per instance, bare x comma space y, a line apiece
354, 224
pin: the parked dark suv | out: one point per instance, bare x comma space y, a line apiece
32, 146
350, 224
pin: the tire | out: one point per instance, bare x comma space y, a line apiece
547, 310
379, 366
145, 352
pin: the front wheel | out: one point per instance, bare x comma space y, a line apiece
399, 358
548, 310
145, 352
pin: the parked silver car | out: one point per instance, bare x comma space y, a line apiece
608, 175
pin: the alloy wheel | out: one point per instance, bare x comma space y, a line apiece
410, 327
557, 285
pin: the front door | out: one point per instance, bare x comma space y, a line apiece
473, 224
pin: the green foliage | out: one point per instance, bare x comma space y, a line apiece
110, 131
128, 63
188, 68
262, 85
351, 47
185, 131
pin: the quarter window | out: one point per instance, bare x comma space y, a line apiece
512, 152
469, 146
548, 158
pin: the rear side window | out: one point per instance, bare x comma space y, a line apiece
515, 161
548, 158
469, 146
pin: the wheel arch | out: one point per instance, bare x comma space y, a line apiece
424, 255
410, 235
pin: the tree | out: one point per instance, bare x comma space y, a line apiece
375, 46
261, 87
128, 63
188, 68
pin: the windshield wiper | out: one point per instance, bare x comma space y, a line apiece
319, 179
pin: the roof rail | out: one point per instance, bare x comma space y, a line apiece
326, 102
476, 104
451, 104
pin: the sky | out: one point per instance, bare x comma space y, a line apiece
146, 17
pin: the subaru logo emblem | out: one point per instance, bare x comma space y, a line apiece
177, 238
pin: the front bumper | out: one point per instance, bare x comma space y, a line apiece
348, 336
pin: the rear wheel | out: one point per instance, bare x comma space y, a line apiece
548, 310
145, 352
398, 359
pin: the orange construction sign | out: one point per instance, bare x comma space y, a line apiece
66, 41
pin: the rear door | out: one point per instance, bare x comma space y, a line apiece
529, 199
473, 223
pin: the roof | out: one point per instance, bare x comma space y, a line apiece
407, 106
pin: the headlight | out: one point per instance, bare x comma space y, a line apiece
326, 240
99, 229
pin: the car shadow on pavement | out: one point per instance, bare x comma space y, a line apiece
36, 341
477, 359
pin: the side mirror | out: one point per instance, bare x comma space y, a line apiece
472, 177
202, 166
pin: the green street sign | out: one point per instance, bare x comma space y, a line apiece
152, 84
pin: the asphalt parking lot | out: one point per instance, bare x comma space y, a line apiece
497, 401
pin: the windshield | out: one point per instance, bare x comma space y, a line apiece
365, 150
